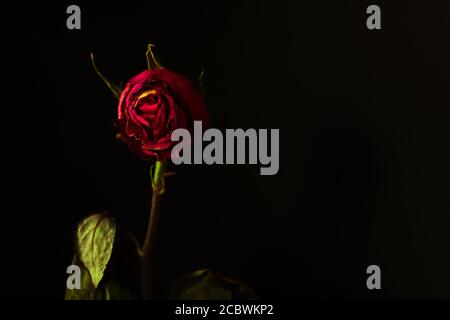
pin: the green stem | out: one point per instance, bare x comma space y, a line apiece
147, 248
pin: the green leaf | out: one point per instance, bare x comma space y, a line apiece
116, 90
94, 242
113, 291
108, 290
87, 290
207, 285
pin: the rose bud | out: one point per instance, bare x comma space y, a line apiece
153, 104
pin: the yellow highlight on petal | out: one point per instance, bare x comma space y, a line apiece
143, 95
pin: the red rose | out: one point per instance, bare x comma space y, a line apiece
153, 104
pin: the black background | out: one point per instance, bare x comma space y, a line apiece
364, 153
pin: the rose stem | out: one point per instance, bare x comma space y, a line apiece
147, 248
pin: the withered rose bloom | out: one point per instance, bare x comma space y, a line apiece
153, 104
